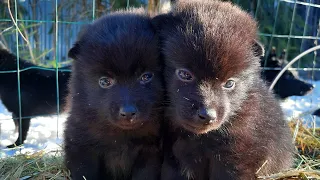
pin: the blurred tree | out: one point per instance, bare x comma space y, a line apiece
153, 5
37, 22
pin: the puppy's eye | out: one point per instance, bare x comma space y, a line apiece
229, 84
184, 75
106, 82
146, 77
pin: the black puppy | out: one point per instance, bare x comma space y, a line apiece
113, 131
223, 122
38, 91
288, 84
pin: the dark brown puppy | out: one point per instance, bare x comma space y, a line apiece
116, 91
224, 124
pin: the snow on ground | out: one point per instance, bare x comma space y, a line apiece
304, 106
46, 133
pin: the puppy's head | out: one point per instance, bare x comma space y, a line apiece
212, 62
117, 74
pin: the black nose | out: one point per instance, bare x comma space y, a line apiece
128, 111
316, 113
207, 115
311, 87
308, 89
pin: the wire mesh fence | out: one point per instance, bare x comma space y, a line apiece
39, 33
294, 26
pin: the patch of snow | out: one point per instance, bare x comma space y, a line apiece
45, 133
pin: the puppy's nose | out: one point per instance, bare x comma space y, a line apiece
128, 112
308, 90
311, 87
208, 116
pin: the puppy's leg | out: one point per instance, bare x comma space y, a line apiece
170, 170
16, 122
83, 164
147, 166
219, 171
25, 128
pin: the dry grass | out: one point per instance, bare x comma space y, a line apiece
43, 165
36, 166
308, 159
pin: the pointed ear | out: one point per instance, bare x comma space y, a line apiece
258, 49
74, 51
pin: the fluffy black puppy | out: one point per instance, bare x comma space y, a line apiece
223, 122
38, 91
116, 95
289, 84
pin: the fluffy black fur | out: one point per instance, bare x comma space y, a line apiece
100, 141
38, 91
218, 130
289, 84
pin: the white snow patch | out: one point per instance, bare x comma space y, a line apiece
45, 133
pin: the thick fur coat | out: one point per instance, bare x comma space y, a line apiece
113, 131
222, 121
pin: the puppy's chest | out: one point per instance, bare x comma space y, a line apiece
192, 157
195, 149
197, 155
121, 158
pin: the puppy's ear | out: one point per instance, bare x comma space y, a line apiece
74, 51
258, 49
283, 54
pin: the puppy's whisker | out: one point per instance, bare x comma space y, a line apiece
186, 98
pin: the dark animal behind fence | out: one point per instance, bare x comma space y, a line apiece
38, 91
289, 83
224, 124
